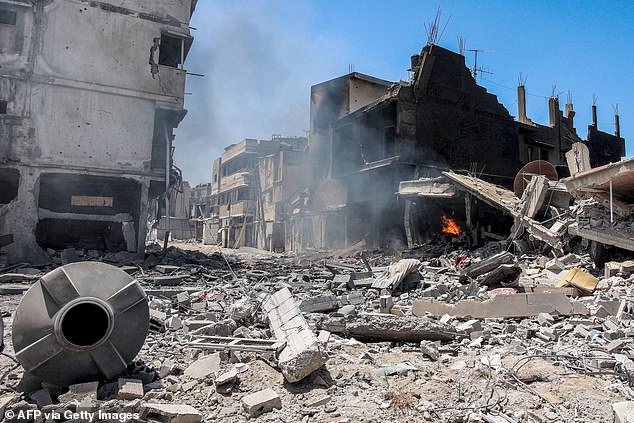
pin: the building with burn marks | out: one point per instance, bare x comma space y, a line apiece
367, 135
90, 93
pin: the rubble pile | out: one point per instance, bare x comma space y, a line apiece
481, 335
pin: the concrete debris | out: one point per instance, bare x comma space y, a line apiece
261, 402
395, 274
515, 305
170, 413
303, 353
382, 327
130, 389
204, 367
623, 412
458, 317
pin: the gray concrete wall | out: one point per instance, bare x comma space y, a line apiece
82, 99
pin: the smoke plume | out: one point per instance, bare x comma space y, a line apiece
259, 63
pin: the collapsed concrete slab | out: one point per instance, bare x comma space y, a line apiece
386, 327
303, 353
505, 306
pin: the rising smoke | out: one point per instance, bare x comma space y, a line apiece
259, 62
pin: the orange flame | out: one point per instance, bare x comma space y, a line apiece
449, 226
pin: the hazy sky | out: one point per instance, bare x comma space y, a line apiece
260, 58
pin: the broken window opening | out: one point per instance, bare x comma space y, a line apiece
543, 154
8, 17
3, 107
171, 51
9, 184
389, 141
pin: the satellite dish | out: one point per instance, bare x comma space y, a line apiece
536, 167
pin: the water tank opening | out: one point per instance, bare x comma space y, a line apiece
85, 324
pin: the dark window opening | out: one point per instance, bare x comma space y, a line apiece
529, 154
3, 107
543, 154
8, 17
389, 141
9, 183
346, 153
170, 51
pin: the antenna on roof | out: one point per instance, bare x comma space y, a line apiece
569, 98
521, 80
433, 36
594, 99
476, 69
462, 45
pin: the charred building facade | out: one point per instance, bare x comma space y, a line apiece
367, 135
89, 95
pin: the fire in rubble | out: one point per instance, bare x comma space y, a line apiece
449, 226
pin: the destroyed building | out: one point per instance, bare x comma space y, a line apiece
90, 93
367, 135
251, 183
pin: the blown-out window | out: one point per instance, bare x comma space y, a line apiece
8, 17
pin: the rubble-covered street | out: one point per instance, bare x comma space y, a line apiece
215, 354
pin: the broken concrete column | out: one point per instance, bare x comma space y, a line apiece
303, 353
386, 327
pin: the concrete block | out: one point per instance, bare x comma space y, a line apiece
470, 326
611, 269
226, 378
130, 389
174, 323
345, 310
168, 280
623, 412
303, 352
170, 413
163, 268
80, 391
261, 402
545, 319
319, 401
317, 304
616, 345
204, 366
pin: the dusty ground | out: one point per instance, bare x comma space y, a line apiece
534, 382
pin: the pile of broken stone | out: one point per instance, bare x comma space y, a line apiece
469, 336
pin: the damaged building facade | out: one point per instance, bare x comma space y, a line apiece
252, 183
368, 136
90, 93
